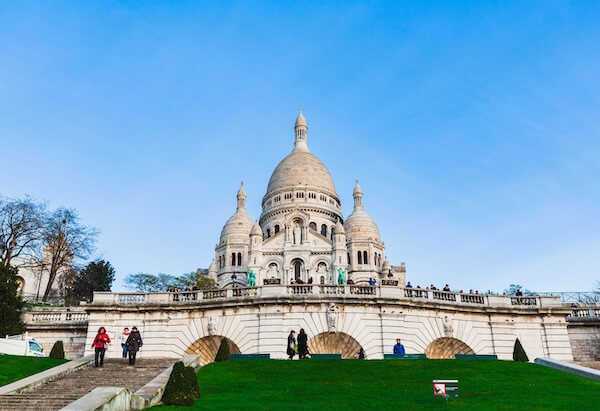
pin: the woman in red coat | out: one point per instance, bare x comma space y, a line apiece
99, 345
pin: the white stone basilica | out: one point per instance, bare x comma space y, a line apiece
301, 234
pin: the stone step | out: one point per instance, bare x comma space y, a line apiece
56, 394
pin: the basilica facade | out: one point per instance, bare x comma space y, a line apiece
302, 236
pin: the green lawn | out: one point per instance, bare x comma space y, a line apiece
389, 384
15, 367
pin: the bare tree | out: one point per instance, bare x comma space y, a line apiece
67, 244
21, 228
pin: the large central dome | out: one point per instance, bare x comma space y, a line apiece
301, 168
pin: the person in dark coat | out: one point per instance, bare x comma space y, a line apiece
134, 343
302, 343
291, 344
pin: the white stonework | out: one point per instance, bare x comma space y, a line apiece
258, 320
301, 233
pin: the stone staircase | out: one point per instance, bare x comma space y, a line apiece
57, 394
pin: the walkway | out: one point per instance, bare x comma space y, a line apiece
56, 394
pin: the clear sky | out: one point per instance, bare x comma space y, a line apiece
473, 127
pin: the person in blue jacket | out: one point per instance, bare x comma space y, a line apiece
399, 348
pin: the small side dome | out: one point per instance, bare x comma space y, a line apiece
237, 228
339, 228
359, 225
256, 230
386, 266
212, 268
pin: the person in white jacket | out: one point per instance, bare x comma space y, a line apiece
124, 337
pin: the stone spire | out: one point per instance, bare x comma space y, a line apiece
241, 198
358, 195
300, 131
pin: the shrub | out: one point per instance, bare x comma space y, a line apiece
192, 381
58, 351
519, 353
182, 387
223, 354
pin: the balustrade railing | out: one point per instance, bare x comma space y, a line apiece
132, 298
472, 298
415, 293
362, 290
332, 289
523, 300
212, 294
244, 291
585, 313
316, 290
58, 317
444, 295
299, 289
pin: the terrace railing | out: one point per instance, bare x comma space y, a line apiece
328, 290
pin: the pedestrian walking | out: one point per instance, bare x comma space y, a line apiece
124, 337
133, 344
99, 346
302, 344
291, 344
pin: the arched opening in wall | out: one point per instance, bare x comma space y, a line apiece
207, 347
313, 226
297, 266
334, 343
447, 347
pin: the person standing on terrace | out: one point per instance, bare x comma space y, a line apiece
399, 348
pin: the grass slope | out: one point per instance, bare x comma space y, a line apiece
389, 384
15, 367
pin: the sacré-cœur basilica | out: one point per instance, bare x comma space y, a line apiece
302, 236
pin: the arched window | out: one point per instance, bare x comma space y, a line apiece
276, 228
313, 226
239, 259
349, 258
322, 280
268, 233
331, 232
365, 257
232, 258
359, 257
324, 230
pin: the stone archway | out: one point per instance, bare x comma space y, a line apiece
334, 343
208, 346
447, 347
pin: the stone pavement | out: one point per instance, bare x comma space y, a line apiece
57, 394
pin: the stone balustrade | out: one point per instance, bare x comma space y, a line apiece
56, 316
320, 291
585, 313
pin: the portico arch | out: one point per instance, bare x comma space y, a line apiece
207, 347
334, 343
447, 347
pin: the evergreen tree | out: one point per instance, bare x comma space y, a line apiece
58, 351
96, 276
519, 353
10, 303
223, 354
179, 390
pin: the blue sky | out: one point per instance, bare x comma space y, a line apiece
473, 127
